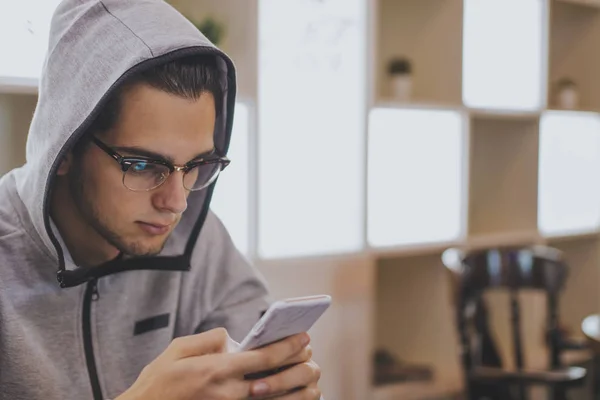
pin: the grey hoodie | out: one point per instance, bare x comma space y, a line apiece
75, 333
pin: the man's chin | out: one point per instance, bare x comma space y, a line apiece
144, 248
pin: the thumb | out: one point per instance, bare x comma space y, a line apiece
209, 342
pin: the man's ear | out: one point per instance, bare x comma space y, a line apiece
65, 165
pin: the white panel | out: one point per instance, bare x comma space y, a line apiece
415, 176
24, 29
311, 113
502, 54
231, 197
569, 173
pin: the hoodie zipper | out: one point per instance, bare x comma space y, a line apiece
91, 294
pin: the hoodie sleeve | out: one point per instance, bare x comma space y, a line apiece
235, 290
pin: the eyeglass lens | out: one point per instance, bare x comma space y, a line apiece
146, 176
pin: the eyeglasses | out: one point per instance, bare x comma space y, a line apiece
145, 174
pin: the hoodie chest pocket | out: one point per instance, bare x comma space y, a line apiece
151, 324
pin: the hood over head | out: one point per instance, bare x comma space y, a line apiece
94, 47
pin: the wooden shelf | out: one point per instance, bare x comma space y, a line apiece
18, 85
515, 238
572, 236
575, 111
416, 391
391, 103
510, 238
588, 3
503, 114
413, 249
501, 239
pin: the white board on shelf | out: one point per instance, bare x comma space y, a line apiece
24, 33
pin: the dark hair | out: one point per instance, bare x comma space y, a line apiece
187, 77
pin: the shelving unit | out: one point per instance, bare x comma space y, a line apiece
503, 180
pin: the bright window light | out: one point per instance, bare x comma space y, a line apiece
415, 176
24, 30
569, 173
231, 197
502, 54
312, 119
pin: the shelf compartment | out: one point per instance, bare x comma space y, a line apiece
574, 33
503, 180
429, 34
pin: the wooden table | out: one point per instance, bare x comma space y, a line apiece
591, 329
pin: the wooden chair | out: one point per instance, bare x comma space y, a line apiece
513, 269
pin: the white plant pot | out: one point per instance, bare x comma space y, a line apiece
401, 86
568, 99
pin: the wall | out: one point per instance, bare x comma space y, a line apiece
16, 112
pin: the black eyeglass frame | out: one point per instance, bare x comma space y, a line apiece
126, 162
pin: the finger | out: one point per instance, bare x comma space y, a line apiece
210, 342
303, 356
233, 389
301, 375
270, 357
308, 393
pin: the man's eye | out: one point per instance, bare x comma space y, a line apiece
140, 167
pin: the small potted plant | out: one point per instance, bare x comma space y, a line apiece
400, 73
567, 95
213, 29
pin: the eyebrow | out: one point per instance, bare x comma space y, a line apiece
141, 152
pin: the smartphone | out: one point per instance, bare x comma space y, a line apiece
285, 318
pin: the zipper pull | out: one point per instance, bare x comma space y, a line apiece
95, 293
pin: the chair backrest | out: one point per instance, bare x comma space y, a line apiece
474, 272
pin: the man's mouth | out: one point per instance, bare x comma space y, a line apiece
155, 229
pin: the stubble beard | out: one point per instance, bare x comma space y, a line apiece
93, 217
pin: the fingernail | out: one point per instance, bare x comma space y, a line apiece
260, 388
305, 339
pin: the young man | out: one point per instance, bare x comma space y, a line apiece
116, 281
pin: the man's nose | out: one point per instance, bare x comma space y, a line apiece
172, 196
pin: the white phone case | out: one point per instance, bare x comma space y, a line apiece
286, 318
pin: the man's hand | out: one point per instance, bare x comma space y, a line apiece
296, 383
200, 367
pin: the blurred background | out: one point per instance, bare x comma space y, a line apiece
373, 135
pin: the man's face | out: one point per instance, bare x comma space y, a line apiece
151, 121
